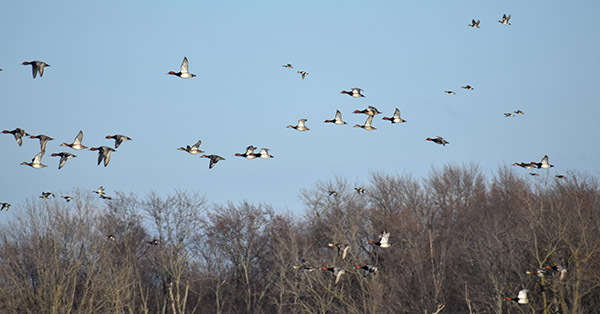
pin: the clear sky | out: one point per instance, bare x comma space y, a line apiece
109, 62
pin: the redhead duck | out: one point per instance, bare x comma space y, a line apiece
336, 271
5, 206
438, 140
355, 92
342, 248
367, 126
249, 153
43, 140
505, 20
76, 142
523, 165
63, 158
288, 66
119, 139
533, 174
395, 118
214, 159
467, 87
301, 126
99, 191
337, 119
332, 192
370, 111
111, 237
474, 24
104, 153
264, 154
36, 162
106, 197
543, 164
359, 190
370, 269
306, 266
18, 133
194, 149
37, 67
154, 241
521, 298
519, 112
560, 176
384, 240
46, 195
67, 198
184, 73
303, 73
508, 114
449, 92
538, 272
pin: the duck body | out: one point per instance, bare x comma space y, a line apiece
384, 240
36, 162
76, 142
336, 271
214, 159
18, 133
438, 140
249, 153
194, 149
43, 140
395, 118
337, 119
301, 126
354, 92
119, 139
104, 153
64, 156
184, 73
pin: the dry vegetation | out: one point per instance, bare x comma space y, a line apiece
458, 239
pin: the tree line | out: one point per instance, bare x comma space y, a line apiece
461, 242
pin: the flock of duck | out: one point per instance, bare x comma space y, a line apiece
104, 155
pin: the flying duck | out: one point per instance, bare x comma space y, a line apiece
371, 111
438, 140
384, 240
63, 158
43, 140
249, 153
18, 133
184, 73
303, 73
474, 24
505, 19
395, 118
521, 298
5, 206
194, 149
336, 271
354, 92
103, 154
37, 67
119, 139
367, 126
342, 248
264, 154
543, 164
36, 162
337, 120
213, 159
301, 126
76, 142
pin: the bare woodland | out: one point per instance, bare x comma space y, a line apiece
461, 243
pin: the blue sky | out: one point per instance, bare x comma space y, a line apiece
108, 75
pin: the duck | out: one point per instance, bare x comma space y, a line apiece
370, 269
76, 142
288, 66
46, 195
519, 112
184, 73
43, 140
249, 153
533, 174
538, 272
119, 139
303, 73
37, 67
18, 133
154, 241
474, 24
523, 165
359, 190
67, 198
438, 140
367, 126
99, 191
508, 114
111, 237
505, 19
332, 193
301, 126
371, 111
106, 197
36, 162
449, 92
354, 92
337, 119
384, 240
560, 176
194, 149
103, 153
395, 118
264, 154
5, 206
521, 297
467, 87
543, 164
63, 158
305, 265
562, 270
342, 248
214, 159
336, 271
